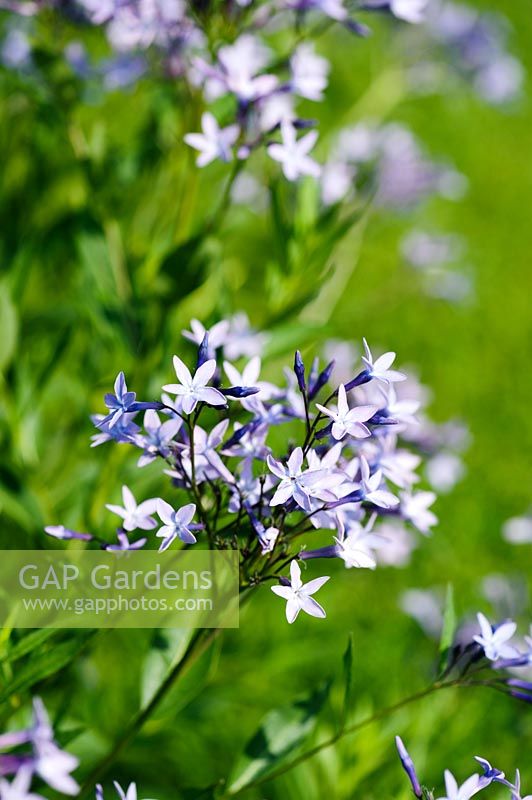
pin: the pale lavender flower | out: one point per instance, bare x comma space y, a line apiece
15, 51
494, 640
125, 544
463, 792
129, 794
158, 436
135, 516
412, 11
149, 22
516, 789
298, 595
122, 402
300, 484
398, 545
51, 763
444, 470
402, 410
398, 465
346, 420
66, 534
249, 377
423, 250
337, 179
122, 71
292, 154
247, 487
425, 607
237, 71
370, 487
379, 369
100, 11
356, 547
415, 509
19, 788
331, 8
25, 8
176, 524
518, 530
269, 539
490, 773
124, 431
274, 110
309, 72
217, 335
214, 142
194, 390
248, 442
242, 339
205, 455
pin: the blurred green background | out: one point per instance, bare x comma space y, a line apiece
100, 271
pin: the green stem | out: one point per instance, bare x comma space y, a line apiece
197, 645
344, 731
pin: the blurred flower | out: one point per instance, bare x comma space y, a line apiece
309, 72
60, 532
125, 544
414, 508
518, 530
293, 153
15, 50
380, 369
370, 486
444, 471
19, 788
214, 142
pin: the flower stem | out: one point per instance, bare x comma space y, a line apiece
201, 639
343, 731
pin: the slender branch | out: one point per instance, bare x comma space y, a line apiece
201, 639
378, 715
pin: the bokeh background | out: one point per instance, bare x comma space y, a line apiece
100, 271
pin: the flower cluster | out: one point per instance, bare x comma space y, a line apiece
472, 786
261, 84
475, 46
390, 160
345, 470
435, 258
43, 759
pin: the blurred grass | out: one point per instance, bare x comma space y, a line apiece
98, 197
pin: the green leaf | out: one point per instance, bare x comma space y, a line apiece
28, 644
46, 664
282, 732
448, 629
348, 680
8, 327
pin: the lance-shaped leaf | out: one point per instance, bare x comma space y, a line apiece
348, 681
448, 629
281, 733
